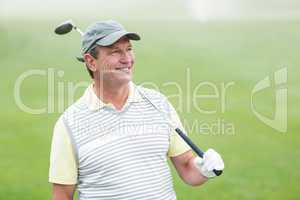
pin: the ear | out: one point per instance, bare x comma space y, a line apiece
90, 61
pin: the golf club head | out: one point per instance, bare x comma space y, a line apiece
64, 27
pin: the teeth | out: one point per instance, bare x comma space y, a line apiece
125, 69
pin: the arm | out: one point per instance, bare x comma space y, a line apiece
63, 192
187, 170
193, 170
63, 168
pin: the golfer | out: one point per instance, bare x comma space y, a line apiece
114, 142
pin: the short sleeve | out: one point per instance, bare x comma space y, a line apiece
177, 145
63, 167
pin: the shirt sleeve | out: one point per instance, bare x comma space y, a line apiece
63, 167
177, 145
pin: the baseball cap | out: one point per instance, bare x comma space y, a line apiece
103, 33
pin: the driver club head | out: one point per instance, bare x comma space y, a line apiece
64, 27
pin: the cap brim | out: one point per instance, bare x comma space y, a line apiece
114, 37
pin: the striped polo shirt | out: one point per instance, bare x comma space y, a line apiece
119, 154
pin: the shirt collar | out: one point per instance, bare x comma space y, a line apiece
94, 103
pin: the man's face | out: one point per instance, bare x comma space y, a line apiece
114, 64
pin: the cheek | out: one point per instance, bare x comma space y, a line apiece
108, 63
132, 57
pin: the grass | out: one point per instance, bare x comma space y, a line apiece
261, 163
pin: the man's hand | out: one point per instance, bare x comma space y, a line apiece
211, 160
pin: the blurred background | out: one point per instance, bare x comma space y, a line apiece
184, 41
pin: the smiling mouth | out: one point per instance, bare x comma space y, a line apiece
123, 69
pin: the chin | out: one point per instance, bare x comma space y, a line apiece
124, 79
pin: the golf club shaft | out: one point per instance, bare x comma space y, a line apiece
78, 30
196, 149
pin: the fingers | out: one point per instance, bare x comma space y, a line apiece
211, 160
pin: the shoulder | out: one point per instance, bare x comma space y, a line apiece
78, 106
151, 93
72, 112
156, 98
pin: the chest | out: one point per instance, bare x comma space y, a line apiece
107, 139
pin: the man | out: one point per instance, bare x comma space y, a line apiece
113, 143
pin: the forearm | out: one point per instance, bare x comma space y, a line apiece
63, 192
187, 170
195, 170
61, 196
191, 175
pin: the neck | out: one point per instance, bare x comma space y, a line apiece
116, 95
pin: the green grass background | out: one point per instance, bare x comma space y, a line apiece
261, 163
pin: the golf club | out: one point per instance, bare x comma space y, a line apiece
194, 147
66, 27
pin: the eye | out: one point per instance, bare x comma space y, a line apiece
114, 52
129, 49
